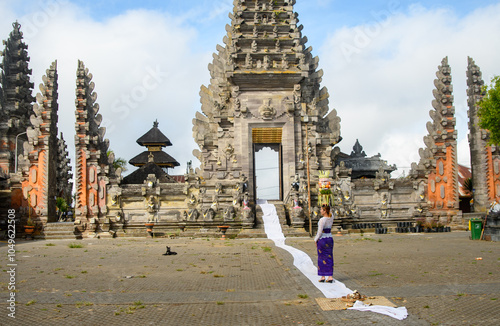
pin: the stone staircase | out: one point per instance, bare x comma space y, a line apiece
58, 230
259, 232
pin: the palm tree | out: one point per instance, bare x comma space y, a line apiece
119, 162
468, 186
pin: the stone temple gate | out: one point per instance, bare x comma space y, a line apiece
265, 89
264, 92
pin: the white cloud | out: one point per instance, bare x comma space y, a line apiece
382, 87
143, 70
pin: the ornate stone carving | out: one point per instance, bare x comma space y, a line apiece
93, 167
266, 110
42, 148
438, 161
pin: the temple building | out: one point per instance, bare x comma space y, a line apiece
154, 160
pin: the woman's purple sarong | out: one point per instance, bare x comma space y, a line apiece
325, 255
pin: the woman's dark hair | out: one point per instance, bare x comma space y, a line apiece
327, 209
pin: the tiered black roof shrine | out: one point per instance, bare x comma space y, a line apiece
154, 140
154, 137
141, 174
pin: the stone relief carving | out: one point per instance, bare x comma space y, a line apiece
267, 111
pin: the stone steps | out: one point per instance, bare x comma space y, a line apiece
258, 231
59, 230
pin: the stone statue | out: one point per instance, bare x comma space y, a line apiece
255, 32
192, 215
296, 182
284, 61
297, 212
218, 188
192, 200
248, 61
114, 199
254, 46
209, 214
229, 213
151, 205
245, 201
266, 62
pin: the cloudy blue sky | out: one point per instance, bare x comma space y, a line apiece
149, 59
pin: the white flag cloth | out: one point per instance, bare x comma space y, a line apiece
304, 263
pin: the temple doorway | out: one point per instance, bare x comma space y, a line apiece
267, 158
268, 171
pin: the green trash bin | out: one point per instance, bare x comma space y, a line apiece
476, 226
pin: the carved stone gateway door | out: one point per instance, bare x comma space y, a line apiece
268, 175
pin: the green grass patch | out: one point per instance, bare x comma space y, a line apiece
75, 245
303, 296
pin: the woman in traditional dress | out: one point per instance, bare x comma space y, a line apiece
324, 244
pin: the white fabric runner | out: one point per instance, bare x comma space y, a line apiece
304, 263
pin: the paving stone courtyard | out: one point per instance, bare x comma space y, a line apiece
442, 279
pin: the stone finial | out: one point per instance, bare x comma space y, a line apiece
358, 150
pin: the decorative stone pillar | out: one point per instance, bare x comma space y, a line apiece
92, 163
438, 160
485, 159
39, 161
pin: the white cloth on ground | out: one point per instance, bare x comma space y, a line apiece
398, 313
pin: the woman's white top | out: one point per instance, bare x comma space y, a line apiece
324, 223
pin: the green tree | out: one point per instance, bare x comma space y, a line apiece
489, 111
62, 206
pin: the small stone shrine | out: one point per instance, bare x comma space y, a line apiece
363, 167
